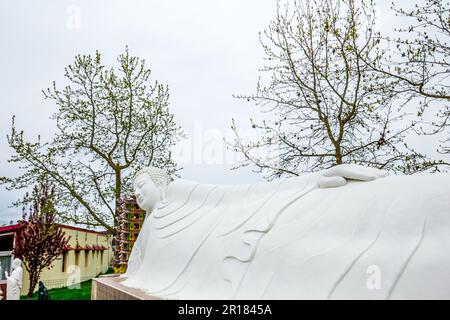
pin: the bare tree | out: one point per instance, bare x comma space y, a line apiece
110, 123
326, 105
420, 62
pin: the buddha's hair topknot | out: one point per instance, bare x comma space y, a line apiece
159, 177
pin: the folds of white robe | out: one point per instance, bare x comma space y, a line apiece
290, 239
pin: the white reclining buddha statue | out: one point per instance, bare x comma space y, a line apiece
349, 232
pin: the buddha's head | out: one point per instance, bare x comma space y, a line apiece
16, 263
149, 187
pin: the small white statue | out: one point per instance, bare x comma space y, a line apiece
14, 281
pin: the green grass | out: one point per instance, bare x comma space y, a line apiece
109, 271
83, 293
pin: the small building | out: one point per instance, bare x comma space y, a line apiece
131, 218
87, 255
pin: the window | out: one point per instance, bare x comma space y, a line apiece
77, 257
6, 242
5, 264
86, 258
64, 261
6, 247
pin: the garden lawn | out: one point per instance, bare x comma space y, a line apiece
82, 293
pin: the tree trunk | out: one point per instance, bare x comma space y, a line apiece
338, 155
34, 277
117, 195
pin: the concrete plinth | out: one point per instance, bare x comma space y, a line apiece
109, 288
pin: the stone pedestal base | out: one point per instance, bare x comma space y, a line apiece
109, 288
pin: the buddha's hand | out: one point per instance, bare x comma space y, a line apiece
337, 176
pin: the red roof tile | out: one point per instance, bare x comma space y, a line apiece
10, 228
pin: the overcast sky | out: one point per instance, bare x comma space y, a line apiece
205, 50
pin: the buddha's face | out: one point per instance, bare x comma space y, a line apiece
16, 263
146, 192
